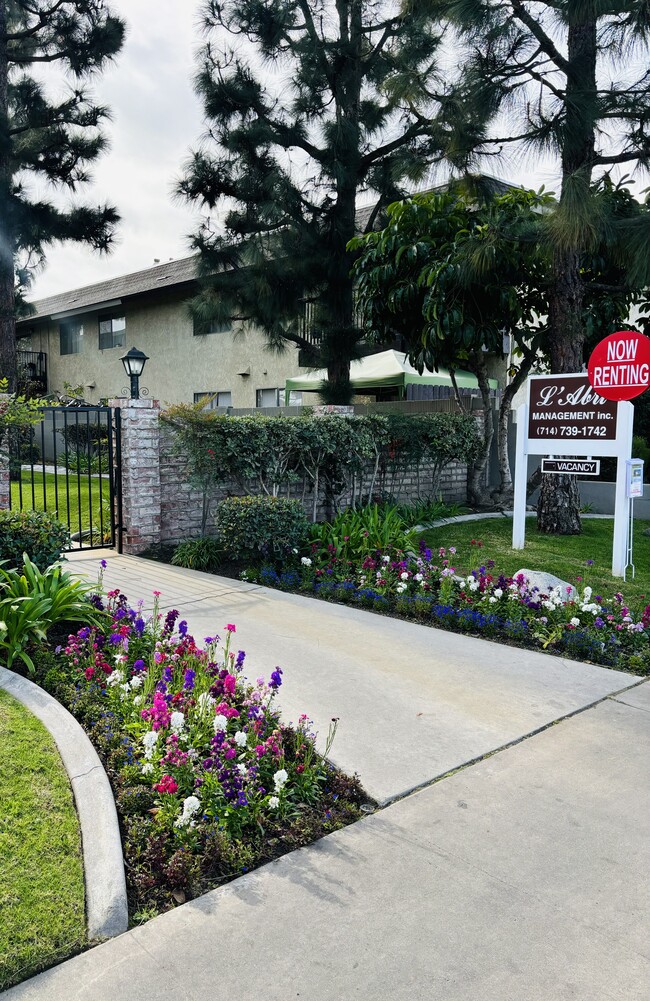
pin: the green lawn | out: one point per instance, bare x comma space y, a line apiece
564, 556
69, 502
42, 919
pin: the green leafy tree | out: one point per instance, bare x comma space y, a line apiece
453, 272
566, 78
449, 276
51, 139
353, 110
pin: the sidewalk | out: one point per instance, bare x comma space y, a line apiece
414, 703
520, 878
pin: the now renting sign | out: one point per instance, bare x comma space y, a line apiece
619, 367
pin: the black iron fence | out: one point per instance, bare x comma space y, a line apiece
69, 464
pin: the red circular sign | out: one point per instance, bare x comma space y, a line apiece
619, 367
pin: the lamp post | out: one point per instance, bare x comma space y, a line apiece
134, 362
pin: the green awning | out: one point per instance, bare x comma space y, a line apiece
388, 368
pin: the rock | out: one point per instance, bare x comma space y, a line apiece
547, 581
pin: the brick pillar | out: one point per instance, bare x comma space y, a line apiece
5, 486
141, 495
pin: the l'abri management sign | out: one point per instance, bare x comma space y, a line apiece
565, 409
567, 421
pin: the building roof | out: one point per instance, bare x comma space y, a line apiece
182, 271
173, 273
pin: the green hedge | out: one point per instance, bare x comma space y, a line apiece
37, 533
266, 527
329, 455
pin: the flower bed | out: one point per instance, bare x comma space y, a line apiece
426, 587
208, 781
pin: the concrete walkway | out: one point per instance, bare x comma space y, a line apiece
520, 878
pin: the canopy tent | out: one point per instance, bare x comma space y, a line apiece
389, 368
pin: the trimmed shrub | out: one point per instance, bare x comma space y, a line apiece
37, 533
261, 528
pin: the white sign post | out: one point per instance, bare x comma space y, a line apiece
564, 416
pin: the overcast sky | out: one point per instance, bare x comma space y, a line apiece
156, 119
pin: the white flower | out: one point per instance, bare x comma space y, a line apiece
404, 576
306, 562
575, 621
385, 559
493, 600
280, 779
115, 678
587, 593
241, 738
138, 700
220, 723
205, 701
137, 681
498, 593
147, 768
418, 577
150, 740
401, 588
177, 722
274, 802
242, 769
191, 805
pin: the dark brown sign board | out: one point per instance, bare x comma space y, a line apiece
565, 409
571, 467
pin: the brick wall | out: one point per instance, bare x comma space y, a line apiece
181, 503
141, 488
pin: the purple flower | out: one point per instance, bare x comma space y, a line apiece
240, 660
182, 628
188, 683
167, 675
598, 622
276, 678
170, 620
115, 639
139, 626
139, 665
103, 564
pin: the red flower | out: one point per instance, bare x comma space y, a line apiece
167, 784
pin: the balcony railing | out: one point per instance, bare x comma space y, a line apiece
32, 370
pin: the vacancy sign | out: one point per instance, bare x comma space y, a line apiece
619, 367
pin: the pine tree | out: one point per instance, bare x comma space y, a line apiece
567, 78
356, 110
53, 140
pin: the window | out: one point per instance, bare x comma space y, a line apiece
202, 327
267, 398
214, 399
295, 398
70, 334
112, 332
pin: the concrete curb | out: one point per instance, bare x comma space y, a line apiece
494, 514
106, 903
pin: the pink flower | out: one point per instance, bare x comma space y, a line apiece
231, 628
158, 657
157, 594
167, 784
229, 684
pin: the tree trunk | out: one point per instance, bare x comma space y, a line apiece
558, 511
7, 275
504, 494
476, 489
559, 500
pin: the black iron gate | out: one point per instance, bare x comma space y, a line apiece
69, 464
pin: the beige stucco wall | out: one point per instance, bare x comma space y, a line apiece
179, 365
